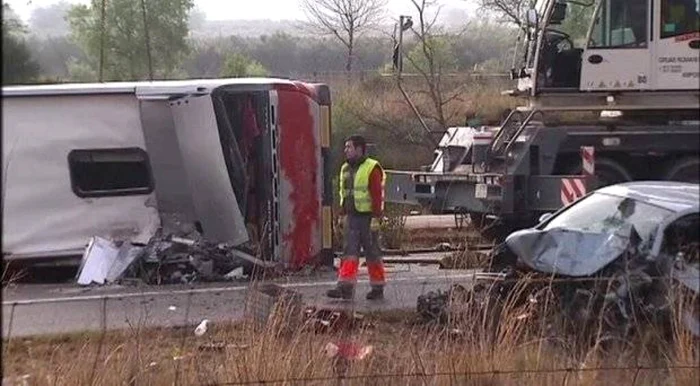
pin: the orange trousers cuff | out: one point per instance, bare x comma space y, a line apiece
377, 276
348, 269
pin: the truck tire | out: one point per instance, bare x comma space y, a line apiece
607, 170
684, 170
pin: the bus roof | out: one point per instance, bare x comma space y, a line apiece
145, 88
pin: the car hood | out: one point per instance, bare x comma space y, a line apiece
568, 252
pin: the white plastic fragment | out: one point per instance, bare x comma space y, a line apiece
201, 328
236, 274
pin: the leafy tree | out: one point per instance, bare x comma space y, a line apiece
205, 61
279, 52
196, 19
483, 41
54, 53
509, 11
238, 65
50, 20
18, 66
80, 71
440, 56
138, 38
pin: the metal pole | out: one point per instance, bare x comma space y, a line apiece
399, 60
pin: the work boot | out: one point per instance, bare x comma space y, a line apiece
377, 293
341, 291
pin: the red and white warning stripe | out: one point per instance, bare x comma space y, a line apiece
588, 160
572, 189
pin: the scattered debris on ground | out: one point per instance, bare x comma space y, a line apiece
327, 320
202, 328
167, 260
343, 353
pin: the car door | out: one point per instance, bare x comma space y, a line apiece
617, 55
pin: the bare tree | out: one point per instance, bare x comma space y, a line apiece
511, 11
431, 58
347, 20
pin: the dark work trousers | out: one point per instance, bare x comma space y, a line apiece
360, 237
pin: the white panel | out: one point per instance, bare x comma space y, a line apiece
621, 69
214, 200
41, 212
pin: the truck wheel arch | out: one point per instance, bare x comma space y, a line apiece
607, 169
684, 169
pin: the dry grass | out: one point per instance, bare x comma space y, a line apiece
375, 108
465, 351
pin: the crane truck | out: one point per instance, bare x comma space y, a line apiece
610, 92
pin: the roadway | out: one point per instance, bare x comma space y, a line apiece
35, 309
38, 309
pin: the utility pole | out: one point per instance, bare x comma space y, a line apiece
405, 23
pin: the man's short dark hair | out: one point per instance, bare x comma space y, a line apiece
358, 141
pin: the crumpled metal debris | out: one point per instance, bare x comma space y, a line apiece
433, 305
323, 320
440, 306
166, 259
570, 253
105, 261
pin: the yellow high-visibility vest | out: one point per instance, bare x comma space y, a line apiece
360, 191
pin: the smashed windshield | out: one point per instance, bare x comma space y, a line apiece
603, 213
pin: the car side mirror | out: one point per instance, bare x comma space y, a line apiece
531, 18
545, 217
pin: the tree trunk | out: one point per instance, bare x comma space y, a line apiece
348, 63
351, 50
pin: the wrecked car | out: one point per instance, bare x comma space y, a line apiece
617, 251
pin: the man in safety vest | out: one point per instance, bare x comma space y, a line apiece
362, 203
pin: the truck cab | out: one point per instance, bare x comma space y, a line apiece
610, 45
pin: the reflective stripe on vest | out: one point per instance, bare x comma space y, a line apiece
363, 201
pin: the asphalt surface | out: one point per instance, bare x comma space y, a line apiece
58, 305
38, 309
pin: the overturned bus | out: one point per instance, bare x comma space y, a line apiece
239, 160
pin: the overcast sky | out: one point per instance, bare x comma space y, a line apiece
248, 9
